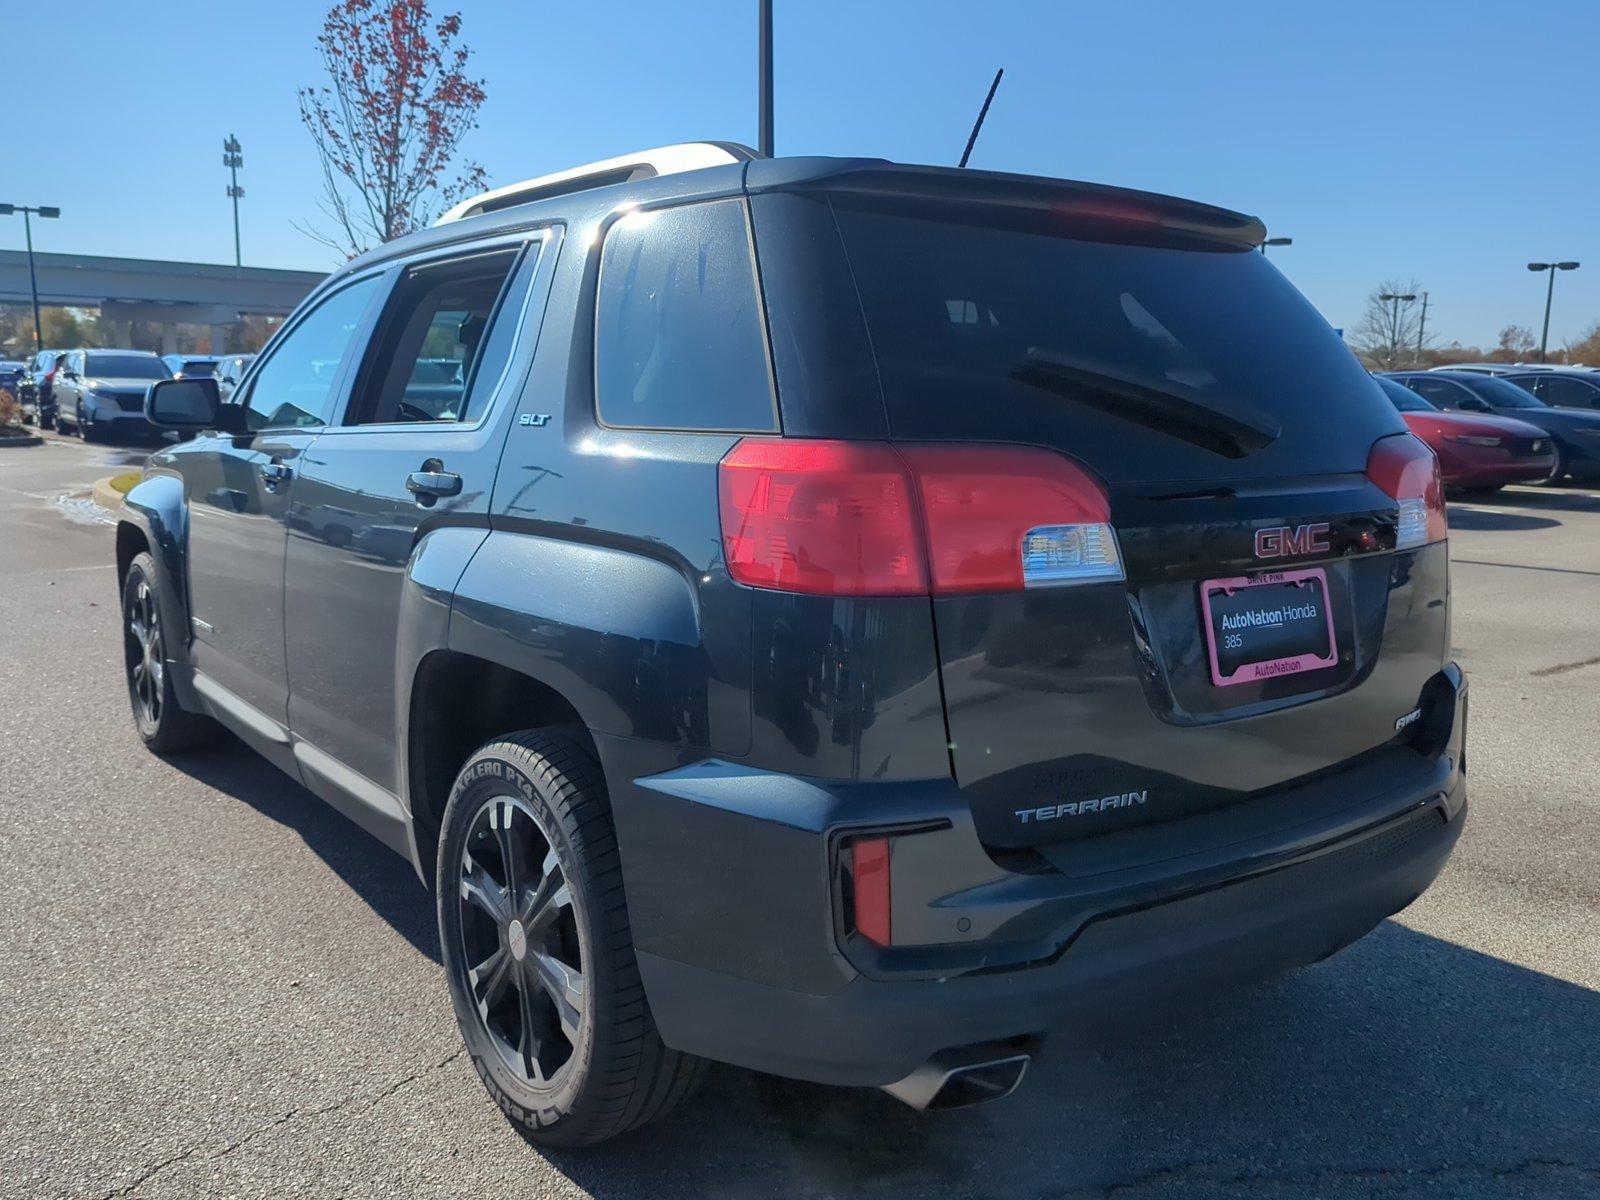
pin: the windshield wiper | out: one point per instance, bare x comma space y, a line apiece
1168, 409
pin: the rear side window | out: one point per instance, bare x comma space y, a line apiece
1567, 392
679, 342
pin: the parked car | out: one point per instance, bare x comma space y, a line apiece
990, 612
230, 370
98, 392
1476, 452
36, 389
11, 373
185, 366
1561, 387
1576, 434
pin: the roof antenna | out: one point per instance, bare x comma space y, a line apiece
982, 113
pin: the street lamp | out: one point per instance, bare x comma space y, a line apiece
44, 211
1549, 295
1276, 242
1394, 300
233, 159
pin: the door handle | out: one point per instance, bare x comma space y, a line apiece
427, 486
274, 473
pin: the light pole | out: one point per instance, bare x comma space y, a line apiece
1394, 299
233, 159
44, 211
1549, 295
764, 81
1422, 326
1276, 242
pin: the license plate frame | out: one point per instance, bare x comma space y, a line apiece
1262, 669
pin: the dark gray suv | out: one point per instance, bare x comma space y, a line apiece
833, 617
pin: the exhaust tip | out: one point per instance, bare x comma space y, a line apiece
957, 1079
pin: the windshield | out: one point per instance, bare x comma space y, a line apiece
1501, 394
1147, 361
125, 366
197, 367
1403, 397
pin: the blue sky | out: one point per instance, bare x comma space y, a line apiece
1440, 140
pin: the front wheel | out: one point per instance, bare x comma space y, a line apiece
86, 429
538, 951
1558, 471
162, 722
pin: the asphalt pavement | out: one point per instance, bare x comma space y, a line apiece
212, 985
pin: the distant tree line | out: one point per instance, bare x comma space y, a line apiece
1391, 336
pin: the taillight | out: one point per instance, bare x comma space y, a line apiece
830, 518
1407, 470
871, 519
1000, 518
869, 889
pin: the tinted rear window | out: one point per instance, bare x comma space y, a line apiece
126, 366
958, 308
1403, 398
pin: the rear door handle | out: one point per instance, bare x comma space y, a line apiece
428, 486
274, 473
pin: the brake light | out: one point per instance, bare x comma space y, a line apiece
869, 881
871, 519
1407, 470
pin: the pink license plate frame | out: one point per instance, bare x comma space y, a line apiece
1276, 668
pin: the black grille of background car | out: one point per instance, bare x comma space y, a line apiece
130, 401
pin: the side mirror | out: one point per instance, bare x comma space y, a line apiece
188, 404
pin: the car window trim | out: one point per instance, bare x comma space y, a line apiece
245, 391
547, 238
602, 234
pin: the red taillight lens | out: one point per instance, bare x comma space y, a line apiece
831, 518
1000, 518
1406, 469
869, 879
870, 519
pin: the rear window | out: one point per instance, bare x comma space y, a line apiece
126, 366
678, 329
1403, 398
989, 329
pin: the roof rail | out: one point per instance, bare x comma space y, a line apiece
644, 164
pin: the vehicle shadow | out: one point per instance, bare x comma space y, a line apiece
383, 880
1557, 499
1462, 517
1407, 1065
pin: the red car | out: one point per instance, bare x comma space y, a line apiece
1477, 452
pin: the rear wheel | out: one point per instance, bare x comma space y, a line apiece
164, 724
538, 951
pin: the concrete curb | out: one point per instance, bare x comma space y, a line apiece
27, 439
106, 496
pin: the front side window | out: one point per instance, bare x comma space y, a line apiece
433, 357
679, 342
294, 388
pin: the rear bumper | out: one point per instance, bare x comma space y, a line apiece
744, 959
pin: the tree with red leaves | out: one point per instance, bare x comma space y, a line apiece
390, 123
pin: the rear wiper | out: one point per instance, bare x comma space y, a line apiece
1168, 409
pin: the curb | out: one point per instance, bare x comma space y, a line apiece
27, 439
105, 495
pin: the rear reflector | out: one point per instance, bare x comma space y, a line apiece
871, 519
869, 877
1407, 470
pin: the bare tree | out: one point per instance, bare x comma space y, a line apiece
1387, 335
390, 123
1516, 343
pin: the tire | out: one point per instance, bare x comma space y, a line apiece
164, 725
536, 801
1558, 472
85, 430
47, 422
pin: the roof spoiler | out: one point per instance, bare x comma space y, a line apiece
642, 164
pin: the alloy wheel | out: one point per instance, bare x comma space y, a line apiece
520, 941
146, 653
